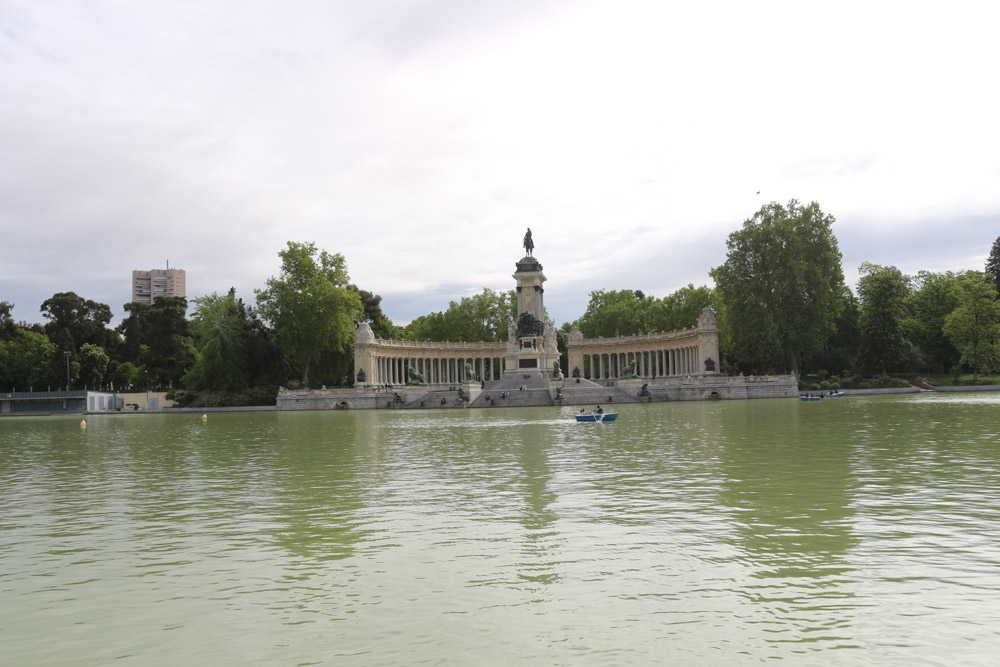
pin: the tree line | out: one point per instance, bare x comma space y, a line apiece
782, 301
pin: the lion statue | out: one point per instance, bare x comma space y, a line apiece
415, 379
470, 373
628, 373
556, 371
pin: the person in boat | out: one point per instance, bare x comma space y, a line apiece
599, 410
582, 411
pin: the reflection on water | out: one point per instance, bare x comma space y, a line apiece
852, 531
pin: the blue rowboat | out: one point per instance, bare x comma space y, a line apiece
597, 417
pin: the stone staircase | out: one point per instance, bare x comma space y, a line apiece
586, 392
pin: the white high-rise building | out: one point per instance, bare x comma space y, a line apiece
147, 285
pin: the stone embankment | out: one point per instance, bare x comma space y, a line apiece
536, 390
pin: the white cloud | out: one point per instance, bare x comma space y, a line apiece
420, 139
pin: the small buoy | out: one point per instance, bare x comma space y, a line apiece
83, 423
204, 418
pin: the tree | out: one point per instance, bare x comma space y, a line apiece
480, 317
615, 313
87, 321
931, 301
993, 264
680, 309
781, 288
882, 292
309, 305
26, 360
157, 336
7, 325
222, 352
93, 362
381, 325
974, 326
841, 349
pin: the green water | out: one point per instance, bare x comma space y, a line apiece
856, 531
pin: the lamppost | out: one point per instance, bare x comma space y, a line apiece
147, 390
67, 368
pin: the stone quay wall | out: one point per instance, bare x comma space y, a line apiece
571, 392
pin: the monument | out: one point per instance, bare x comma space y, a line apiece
531, 342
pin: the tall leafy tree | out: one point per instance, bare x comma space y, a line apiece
614, 313
993, 264
222, 345
974, 326
840, 352
93, 362
157, 336
680, 309
480, 317
781, 288
933, 298
7, 325
883, 292
381, 325
86, 320
26, 360
309, 305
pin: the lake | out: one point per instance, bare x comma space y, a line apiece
855, 531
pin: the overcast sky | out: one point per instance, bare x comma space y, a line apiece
420, 138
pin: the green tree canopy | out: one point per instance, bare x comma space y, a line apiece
381, 325
781, 288
158, 337
631, 312
993, 264
310, 306
86, 320
27, 360
480, 317
883, 292
222, 345
974, 326
933, 298
7, 325
612, 313
93, 362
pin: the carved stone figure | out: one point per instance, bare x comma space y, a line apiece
345, 381
470, 373
529, 245
529, 325
576, 371
710, 365
628, 373
414, 379
556, 371
462, 397
645, 390
361, 375
550, 338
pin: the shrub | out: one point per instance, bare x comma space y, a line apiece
835, 386
864, 385
825, 384
814, 387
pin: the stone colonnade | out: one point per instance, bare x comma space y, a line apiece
693, 351
388, 361
648, 363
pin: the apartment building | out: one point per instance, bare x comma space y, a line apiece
147, 285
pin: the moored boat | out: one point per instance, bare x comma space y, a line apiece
810, 398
